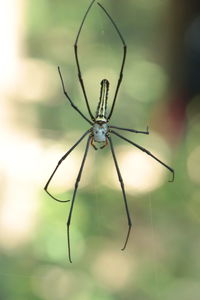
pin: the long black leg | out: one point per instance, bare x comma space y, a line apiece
72, 104
74, 196
131, 130
147, 152
77, 61
60, 161
123, 192
123, 60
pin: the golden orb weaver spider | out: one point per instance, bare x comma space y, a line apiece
101, 130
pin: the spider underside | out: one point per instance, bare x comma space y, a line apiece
101, 130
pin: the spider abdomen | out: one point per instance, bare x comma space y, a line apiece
100, 132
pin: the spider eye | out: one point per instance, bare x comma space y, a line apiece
96, 132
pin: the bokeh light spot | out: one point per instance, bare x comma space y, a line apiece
146, 81
140, 172
112, 269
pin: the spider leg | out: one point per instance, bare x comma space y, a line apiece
131, 130
106, 144
147, 152
123, 60
60, 161
123, 192
74, 196
77, 61
92, 143
72, 104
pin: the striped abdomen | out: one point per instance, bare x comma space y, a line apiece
102, 105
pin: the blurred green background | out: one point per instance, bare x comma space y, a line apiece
39, 125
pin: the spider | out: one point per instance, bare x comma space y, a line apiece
100, 130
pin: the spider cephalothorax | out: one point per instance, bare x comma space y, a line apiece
99, 134
100, 131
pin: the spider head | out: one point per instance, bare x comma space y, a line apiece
100, 130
